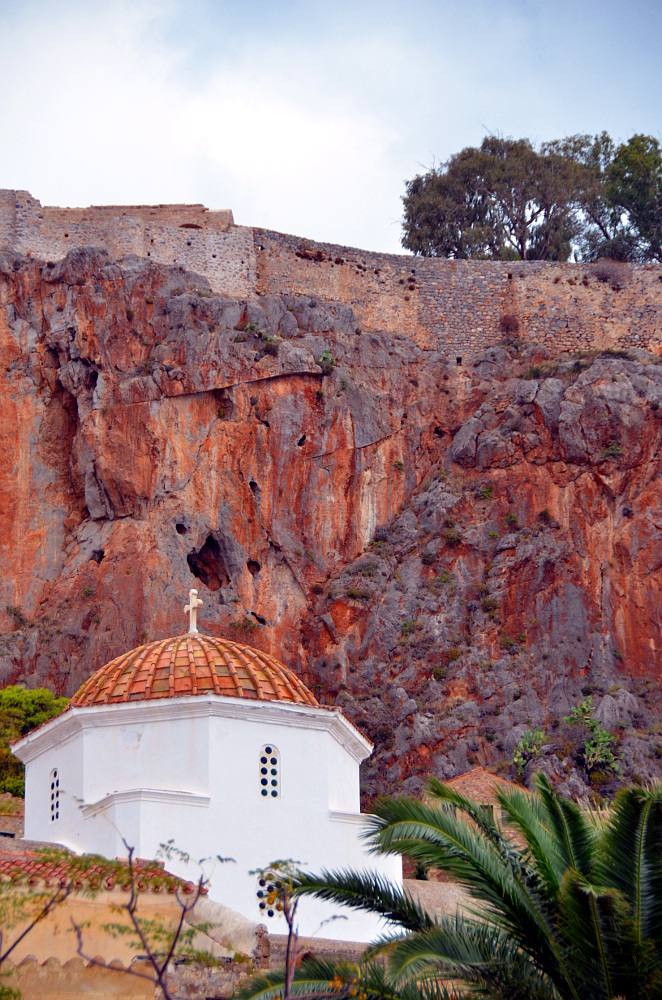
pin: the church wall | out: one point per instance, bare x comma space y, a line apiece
153, 773
148, 753
344, 783
67, 758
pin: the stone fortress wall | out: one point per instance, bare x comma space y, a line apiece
458, 307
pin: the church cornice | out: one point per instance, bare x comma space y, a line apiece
176, 796
76, 720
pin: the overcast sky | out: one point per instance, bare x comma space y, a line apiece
304, 117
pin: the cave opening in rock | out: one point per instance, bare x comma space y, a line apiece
180, 528
258, 618
255, 489
98, 555
302, 440
208, 565
253, 567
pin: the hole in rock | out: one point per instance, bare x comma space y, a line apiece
255, 489
98, 555
180, 528
301, 440
258, 618
208, 564
458, 361
253, 567
438, 431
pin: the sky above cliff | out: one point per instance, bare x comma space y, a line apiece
305, 117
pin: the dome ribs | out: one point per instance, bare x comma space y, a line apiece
226, 658
173, 663
292, 683
269, 666
139, 663
191, 666
174, 667
212, 668
152, 667
238, 651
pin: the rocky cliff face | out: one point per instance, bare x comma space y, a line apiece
451, 553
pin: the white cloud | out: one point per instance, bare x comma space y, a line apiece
304, 117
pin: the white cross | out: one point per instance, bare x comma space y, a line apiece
194, 603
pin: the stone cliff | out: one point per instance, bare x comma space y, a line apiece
451, 552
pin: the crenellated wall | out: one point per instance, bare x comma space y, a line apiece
454, 306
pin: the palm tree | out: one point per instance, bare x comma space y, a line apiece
566, 902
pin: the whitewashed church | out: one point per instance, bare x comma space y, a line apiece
219, 748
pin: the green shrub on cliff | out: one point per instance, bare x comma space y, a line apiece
326, 362
21, 711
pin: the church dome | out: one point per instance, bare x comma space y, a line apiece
192, 664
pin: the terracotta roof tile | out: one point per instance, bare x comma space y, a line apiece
192, 665
48, 868
479, 785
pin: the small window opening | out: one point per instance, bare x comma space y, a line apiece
458, 361
269, 772
267, 888
55, 795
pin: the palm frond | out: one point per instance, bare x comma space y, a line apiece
317, 978
482, 958
365, 891
494, 873
527, 816
630, 857
574, 836
595, 923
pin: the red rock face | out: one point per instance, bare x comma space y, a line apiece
452, 553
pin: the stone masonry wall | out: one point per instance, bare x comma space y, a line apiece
457, 307
186, 235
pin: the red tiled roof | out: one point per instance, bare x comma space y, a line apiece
192, 664
479, 785
51, 868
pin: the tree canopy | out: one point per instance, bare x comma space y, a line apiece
581, 196
21, 711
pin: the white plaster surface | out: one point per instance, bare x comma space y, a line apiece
187, 770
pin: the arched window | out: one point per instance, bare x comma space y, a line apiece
269, 771
55, 794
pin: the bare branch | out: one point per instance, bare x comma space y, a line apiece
58, 897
